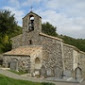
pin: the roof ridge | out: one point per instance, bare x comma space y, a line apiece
30, 13
50, 36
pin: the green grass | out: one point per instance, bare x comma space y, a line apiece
10, 81
19, 73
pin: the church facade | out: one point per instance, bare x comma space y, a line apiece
43, 55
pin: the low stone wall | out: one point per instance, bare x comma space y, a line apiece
21, 63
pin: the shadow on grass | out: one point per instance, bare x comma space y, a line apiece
4, 80
44, 83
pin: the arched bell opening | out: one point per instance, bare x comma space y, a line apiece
31, 23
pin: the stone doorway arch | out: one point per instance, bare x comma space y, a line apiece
37, 63
78, 73
37, 67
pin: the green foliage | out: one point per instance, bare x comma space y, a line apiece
79, 43
8, 29
49, 29
7, 22
10, 81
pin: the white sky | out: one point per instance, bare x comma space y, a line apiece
67, 15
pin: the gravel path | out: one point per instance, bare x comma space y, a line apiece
15, 76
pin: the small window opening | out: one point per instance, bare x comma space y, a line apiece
30, 42
8, 64
1, 62
31, 25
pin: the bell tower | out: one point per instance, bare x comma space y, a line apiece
31, 29
31, 22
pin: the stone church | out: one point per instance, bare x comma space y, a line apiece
43, 55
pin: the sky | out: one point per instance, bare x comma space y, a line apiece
67, 15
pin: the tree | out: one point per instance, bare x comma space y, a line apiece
7, 22
49, 29
8, 29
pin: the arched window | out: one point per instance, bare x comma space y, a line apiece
31, 24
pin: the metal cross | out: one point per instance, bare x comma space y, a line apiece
31, 8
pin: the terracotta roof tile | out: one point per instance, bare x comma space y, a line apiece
24, 50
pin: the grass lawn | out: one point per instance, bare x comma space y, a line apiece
9, 81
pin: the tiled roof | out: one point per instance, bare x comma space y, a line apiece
24, 50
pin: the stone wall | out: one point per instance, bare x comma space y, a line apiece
25, 39
68, 57
75, 59
17, 41
33, 37
67, 60
23, 62
36, 62
52, 56
82, 63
